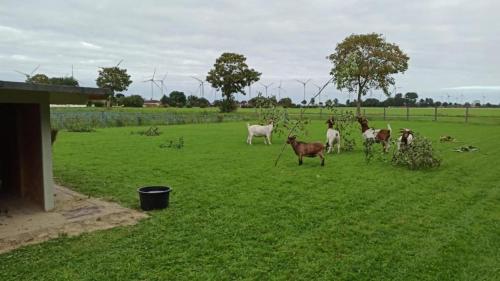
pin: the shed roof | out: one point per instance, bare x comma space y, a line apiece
57, 94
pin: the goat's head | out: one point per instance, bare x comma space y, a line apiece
406, 132
291, 139
330, 122
363, 121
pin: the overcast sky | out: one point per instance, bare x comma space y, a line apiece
453, 45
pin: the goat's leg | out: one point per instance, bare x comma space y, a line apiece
322, 158
268, 139
300, 160
384, 145
338, 145
329, 144
250, 136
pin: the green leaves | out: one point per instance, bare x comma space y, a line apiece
366, 61
231, 74
418, 155
113, 78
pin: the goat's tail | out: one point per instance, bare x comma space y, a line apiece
389, 128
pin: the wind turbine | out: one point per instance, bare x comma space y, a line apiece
303, 83
28, 76
279, 91
118, 64
202, 85
152, 80
266, 86
162, 83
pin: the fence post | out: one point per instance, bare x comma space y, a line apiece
435, 113
103, 119
384, 113
407, 113
466, 114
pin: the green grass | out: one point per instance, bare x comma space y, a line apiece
233, 215
476, 115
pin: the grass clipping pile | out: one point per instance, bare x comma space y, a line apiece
418, 155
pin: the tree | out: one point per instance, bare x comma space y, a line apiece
372, 102
44, 79
203, 103
364, 62
231, 75
119, 98
114, 78
133, 101
177, 99
286, 102
411, 98
192, 101
165, 100
399, 100
38, 79
64, 81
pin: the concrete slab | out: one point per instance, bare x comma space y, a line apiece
23, 223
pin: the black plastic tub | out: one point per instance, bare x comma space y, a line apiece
154, 197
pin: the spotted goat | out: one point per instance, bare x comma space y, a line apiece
382, 136
405, 139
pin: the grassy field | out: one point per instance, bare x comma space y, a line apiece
234, 215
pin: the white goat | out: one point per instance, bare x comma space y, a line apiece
260, 131
332, 136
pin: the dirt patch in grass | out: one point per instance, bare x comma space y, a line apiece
23, 223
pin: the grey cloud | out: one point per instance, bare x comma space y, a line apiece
451, 43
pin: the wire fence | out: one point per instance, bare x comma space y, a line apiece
64, 119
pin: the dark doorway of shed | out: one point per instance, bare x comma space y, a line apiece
21, 171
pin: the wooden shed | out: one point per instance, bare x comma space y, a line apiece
25, 138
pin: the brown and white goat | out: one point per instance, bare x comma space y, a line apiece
405, 139
382, 136
307, 149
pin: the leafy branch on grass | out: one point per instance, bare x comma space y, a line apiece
418, 155
151, 132
300, 123
179, 144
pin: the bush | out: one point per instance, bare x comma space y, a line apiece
418, 155
133, 101
228, 105
99, 104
